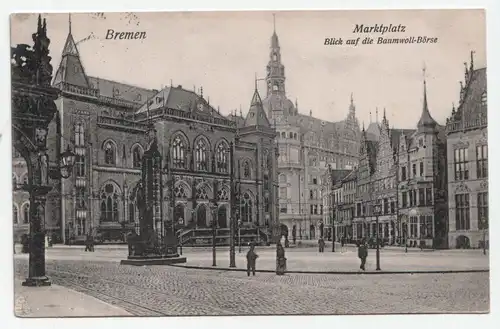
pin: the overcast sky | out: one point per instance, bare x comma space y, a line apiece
223, 51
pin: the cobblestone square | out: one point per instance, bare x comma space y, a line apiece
167, 290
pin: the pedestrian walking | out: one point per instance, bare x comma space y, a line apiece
280, 259
251, 260
321, 244
342, 244
363, 253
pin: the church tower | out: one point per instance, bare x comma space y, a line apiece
275, 69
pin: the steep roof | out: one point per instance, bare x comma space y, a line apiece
471, 106
373, 131
179, 98
337, 175
70, 68
256, 115
120, 90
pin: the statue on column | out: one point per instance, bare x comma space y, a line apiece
43, 164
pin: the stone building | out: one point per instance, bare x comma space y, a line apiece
467, 141
105, 123
347, 211
307, 146
422, 183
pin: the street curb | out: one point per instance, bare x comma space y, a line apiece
226, 269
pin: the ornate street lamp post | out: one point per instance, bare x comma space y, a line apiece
33, 108
376, 211
214, 208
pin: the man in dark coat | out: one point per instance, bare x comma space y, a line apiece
251, 260
321, 244
362, 253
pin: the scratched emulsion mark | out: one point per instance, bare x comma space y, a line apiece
21, 307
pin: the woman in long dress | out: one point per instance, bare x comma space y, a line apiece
280, 259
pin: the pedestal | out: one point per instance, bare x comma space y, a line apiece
41, 281
153, 260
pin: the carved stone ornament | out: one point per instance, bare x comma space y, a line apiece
461, 145
462, 188
483, 185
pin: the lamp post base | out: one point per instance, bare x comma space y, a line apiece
41, 281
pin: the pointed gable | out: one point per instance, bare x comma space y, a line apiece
256, 115
70, 69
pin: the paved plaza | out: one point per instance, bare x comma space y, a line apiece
167, 290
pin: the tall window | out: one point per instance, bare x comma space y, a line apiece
80, 197
246, 208
282, 178
421, 168
421, 196
403, 173
462, 212
461, 164
283, 192
246, 169
404, 199
26, 213
109, 204
136, 157
482, 161
15, 214
414, 169
266, 204
428, 196
79, 135
413, 226
131, 209
109, 153
386, 206
221, 158
482, 210
80, 165
201, 155
178, 153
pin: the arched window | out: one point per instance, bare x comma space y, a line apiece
282, 178
26, 213
79, 135
223, 195
295, 136
179, 213
109, 203
246, 208
181, 192
136, 157
15, 214
178, 153
201, 155
266, 204
283, 134
201, 193
109, 153
291, 135
246, 169
221, 158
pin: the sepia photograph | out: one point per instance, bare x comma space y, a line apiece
329, 162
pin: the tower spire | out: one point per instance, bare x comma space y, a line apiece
69, 22
426, 120
376, 114
274, 23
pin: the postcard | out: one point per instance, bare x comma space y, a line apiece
249, 163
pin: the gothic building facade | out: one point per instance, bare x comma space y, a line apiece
467, 140
307, 145
105, 123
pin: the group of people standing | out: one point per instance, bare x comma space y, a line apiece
280, 260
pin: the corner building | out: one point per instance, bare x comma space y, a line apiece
467, 140
307, 145
106, 122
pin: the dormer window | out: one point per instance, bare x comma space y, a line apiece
483, 99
